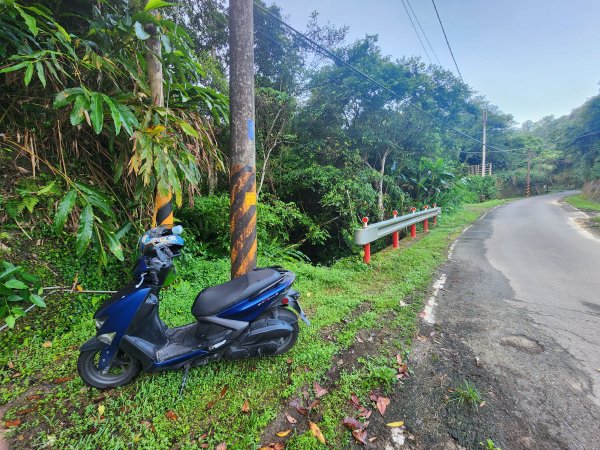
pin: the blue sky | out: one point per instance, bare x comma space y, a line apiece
532, 58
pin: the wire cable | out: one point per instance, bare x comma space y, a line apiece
424, 34
447, 42
333, 56
416, 32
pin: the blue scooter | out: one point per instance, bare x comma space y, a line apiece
245, 317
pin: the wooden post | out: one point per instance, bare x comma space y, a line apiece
242, 158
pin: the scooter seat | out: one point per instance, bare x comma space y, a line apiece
215, 299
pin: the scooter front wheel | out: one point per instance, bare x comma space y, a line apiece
123, 369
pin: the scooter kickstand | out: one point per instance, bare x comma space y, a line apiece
184, 379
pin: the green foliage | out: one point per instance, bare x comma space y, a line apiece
481, 188
467, 394
17, 286
580, 202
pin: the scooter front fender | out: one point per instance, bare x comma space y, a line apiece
92, 344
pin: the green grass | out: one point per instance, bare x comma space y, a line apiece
466, 394
66, 413
580, 202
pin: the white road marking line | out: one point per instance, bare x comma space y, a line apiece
428, 312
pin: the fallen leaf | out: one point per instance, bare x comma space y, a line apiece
360, 436
277, 446
290, 419
316, 431
283, 433
302, 410
289, 360
34, 397
62, 380
382, 403
210, 404
402, 303
295, 403
364, 412
171, 415
373, 397
101, 409
482, 404
222, 445
352, 423
223, 392
149, 425
372, 439
399, 359
47, 344
314, 404
203, 445
78, 288
395, 424
246, 407
355, 400
319, 391
12, 423
99, 399
24, 411
359, 339
10, 365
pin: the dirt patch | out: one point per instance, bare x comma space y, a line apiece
523, 344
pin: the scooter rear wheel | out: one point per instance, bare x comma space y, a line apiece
289, 341
123, 369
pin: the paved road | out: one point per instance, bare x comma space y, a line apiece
519, 316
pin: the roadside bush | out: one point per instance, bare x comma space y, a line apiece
480, 188
278, 225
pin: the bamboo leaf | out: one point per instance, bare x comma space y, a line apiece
154, 4
64, 208
10, 321
28, 74
64, 97
29, 21
40, 72
187, 128
113, 244
139, 31
114, 112
77, 114
15, 67
97, 112
96, 198
84, 231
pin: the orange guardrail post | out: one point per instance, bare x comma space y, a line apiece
366, 247
395, 236
426, 221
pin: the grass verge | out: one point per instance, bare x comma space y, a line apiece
580, 202
232, 402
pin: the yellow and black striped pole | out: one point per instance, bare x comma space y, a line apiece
163, 210
242, 158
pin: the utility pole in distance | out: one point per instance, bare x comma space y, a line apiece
242, 157
528, 173
484, 138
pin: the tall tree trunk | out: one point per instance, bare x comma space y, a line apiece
380, 206
163, 208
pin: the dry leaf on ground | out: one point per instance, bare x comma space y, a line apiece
352, 423
283, 433
382, 403
246, 406
171, 415
360, 436
316, 431
395, 424
290, 419
320, 391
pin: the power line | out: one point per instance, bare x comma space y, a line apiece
416, 32
336, 58
423, 31
447, 42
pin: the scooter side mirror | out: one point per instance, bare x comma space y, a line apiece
177, 229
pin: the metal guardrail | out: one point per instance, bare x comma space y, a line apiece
370, 233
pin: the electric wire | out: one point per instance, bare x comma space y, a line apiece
447, 41
336, 58
319, 48
416, 32
424, 34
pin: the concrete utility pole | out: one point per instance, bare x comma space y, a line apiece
163, 208
242, 158
484, 138
528, 173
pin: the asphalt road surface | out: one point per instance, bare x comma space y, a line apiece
518, 316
